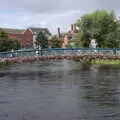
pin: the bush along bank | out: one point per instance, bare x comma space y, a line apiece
106, 60
99, 59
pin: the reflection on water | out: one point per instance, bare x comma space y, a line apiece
59, 90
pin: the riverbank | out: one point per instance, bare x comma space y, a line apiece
106, 62
90, 59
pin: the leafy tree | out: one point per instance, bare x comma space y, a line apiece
7, 44
75, 42
71, 45
55, 42
14, 44
102, 26
42, 40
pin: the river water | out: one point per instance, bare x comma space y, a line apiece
59, 90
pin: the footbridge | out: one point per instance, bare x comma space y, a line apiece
60, 51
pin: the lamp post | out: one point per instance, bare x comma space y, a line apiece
40, 49
115, 21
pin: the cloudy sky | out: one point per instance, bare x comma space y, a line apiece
49, 13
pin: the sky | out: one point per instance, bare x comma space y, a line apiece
49, 13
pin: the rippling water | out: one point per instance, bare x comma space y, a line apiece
59, 90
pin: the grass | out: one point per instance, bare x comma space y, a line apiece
106, 62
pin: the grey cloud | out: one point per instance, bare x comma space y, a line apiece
110, 4
53, 6
53, 13
51, 21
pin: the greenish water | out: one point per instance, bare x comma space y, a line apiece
59, 90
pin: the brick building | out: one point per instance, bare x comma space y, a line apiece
68, 37
30, 34
26, 37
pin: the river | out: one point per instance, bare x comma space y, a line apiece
59, 90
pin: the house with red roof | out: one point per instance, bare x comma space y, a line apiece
26, 37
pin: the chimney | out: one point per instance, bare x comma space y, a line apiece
59, 35
71, 27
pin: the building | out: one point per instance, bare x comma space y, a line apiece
68, 37
26, 37
15, 34
30, 34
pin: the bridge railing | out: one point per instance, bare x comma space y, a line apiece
78, 51
60, 51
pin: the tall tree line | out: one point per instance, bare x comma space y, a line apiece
101, 25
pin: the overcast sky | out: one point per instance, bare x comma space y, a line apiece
49, 13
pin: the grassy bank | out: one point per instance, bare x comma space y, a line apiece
105, 62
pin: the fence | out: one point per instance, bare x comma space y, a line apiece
60, 51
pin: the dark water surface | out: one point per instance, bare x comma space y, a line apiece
59, 90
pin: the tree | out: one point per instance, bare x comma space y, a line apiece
102, 26
71, 45
7, 44
55, 42
42, 40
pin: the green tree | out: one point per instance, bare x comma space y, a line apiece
55, 42
42, 40
102, 26
7, 44
71, 45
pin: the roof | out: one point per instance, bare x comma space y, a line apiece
37, 30
14, 31
15, 36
